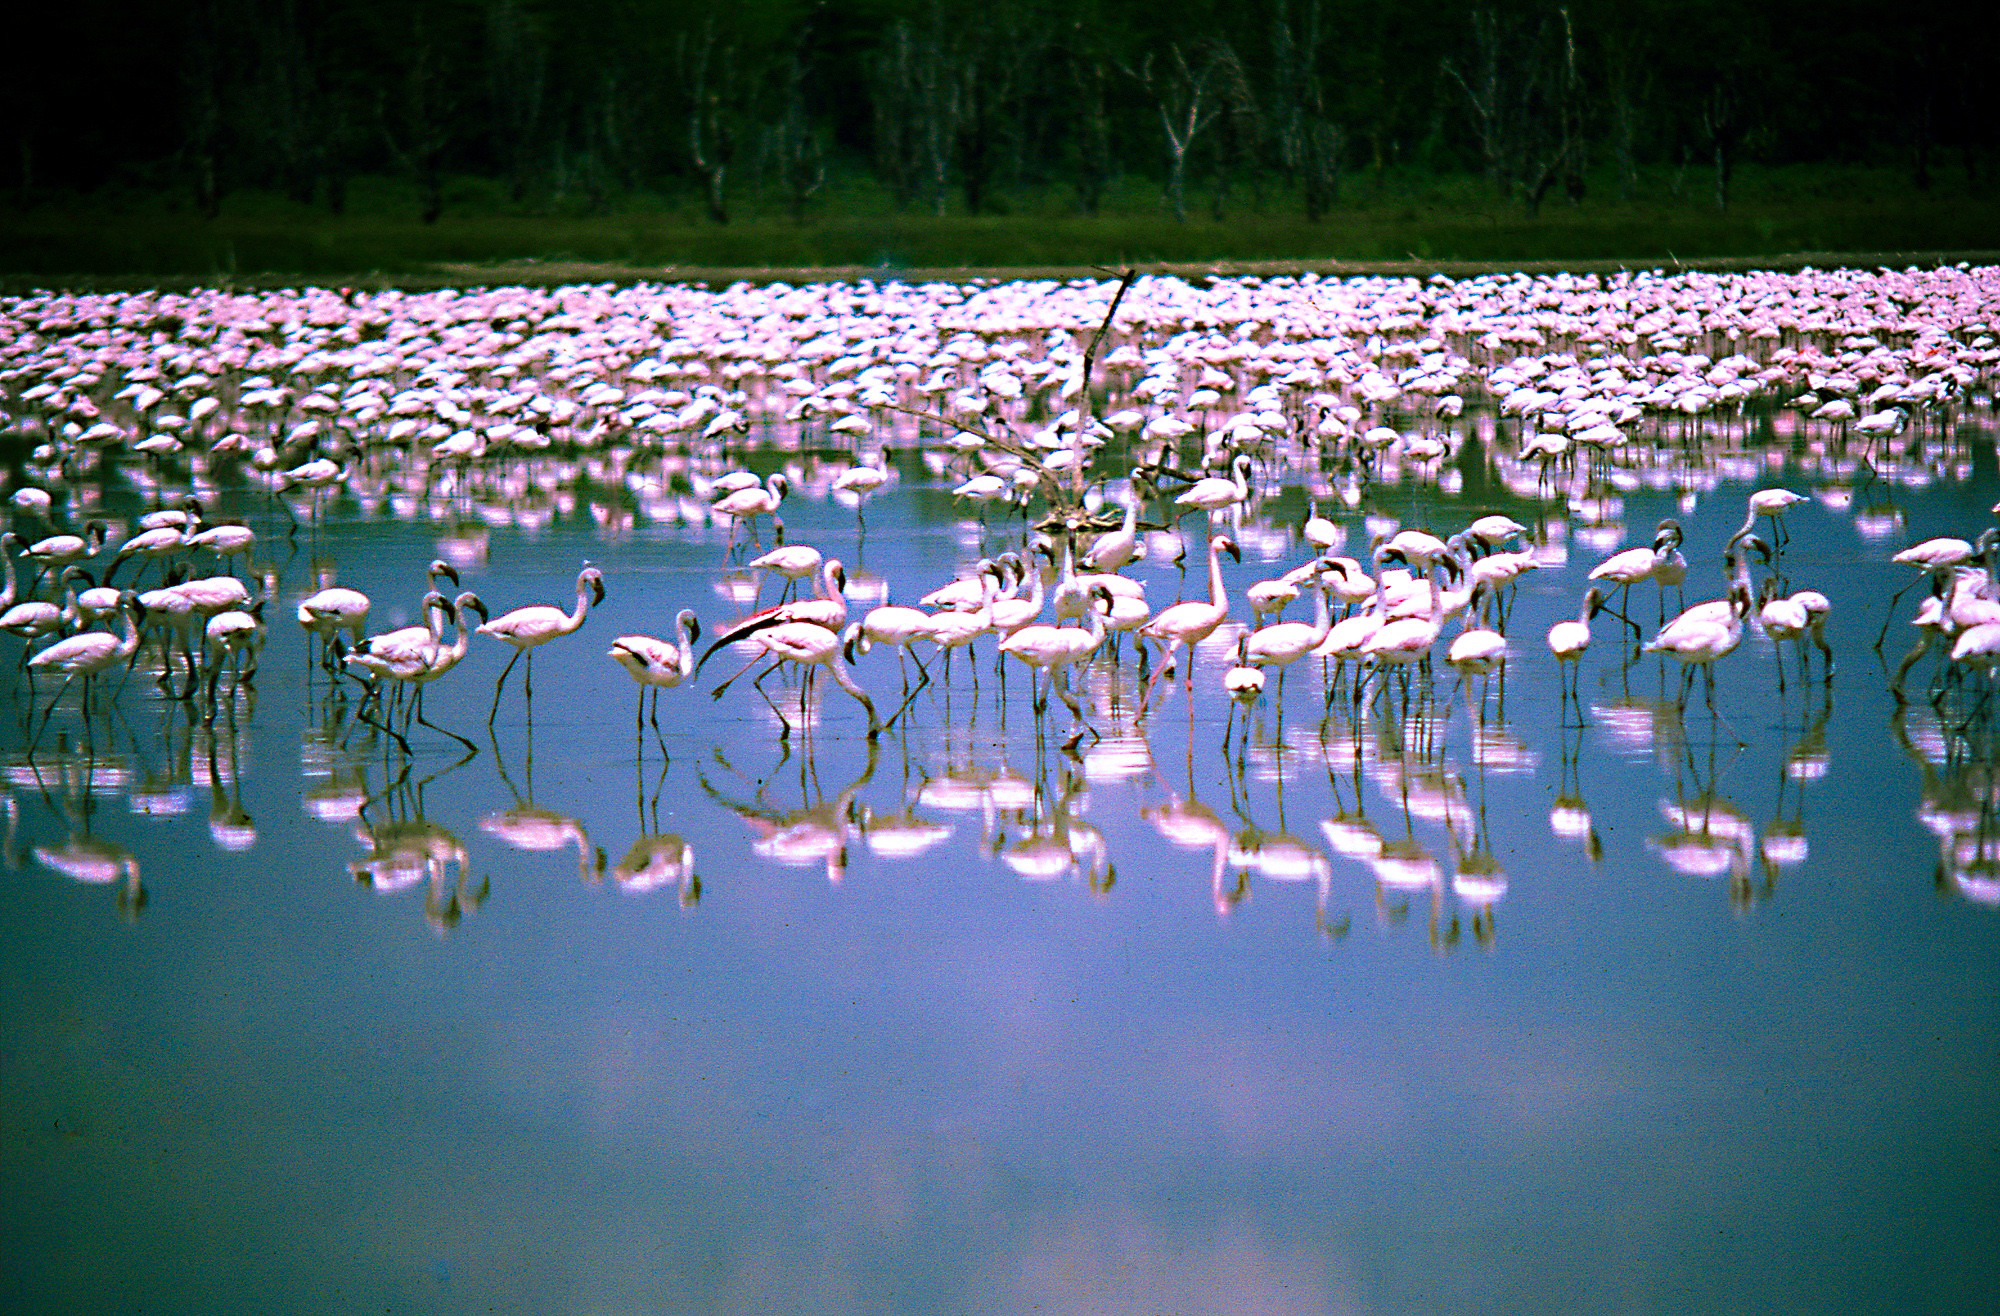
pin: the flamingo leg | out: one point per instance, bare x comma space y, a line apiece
501, 685
418, 707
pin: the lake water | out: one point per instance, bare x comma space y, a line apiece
1375, 1013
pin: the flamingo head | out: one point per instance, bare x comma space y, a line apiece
595, 579
1228, 545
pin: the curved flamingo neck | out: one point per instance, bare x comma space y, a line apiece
582, 609
1217, 597
686, 664
130, 644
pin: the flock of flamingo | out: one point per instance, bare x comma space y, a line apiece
1143, 424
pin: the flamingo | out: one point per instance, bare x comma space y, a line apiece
1323, 534
1215, 494
228, 541
1570, 640
35, 618
13, 586
234, 634
1629, 567
529, 628
59, 551
159, 544
331, 611
811, 647
1285, 643
174, 613
1188, 624
1772, 503
1670, 569
1244, 684
345, 613
89, 655
1700, 640
751, 503
952, 631
793, 562
1056, 649
1404, 641
862, 482
658, 664
1490, 532
425, 664
899, 627
1796, 618
1477, 651
828, 610
1120, 548
1932, 558
394, 654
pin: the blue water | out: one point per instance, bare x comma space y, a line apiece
858, 1082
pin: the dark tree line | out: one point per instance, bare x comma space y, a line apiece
950, 105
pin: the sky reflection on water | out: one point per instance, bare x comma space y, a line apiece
1380, 1011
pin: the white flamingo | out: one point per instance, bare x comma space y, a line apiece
1570, 640
529, 628
89, 655
656, 664
1186, 625
750, 504
1056, 649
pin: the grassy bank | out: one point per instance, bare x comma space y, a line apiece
139, 237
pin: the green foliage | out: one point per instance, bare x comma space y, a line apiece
998, 106
1403, 215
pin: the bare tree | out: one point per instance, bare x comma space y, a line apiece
1237, 126
414, 112
792, 143
1089, 76
1628, 81
1487, 82
1184, 95
1524, 91
1725, 123
517, 79
916, 112
1309, 143
202, 92
714, 93
1551, 122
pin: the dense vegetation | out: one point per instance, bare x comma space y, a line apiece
220, 134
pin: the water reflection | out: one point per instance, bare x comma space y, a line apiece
1102, 892
406, 849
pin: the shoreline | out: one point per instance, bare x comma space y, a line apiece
543, 274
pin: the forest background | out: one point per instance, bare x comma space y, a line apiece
227, 137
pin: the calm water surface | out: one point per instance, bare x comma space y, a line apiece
967, 1021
